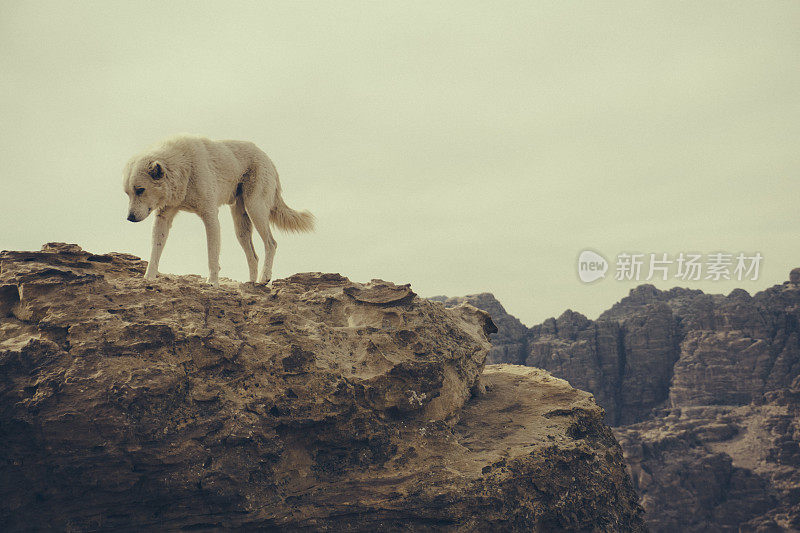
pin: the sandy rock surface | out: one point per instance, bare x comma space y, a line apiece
313, 404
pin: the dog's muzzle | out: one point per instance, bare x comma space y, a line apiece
132, 217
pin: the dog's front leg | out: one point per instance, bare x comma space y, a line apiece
161, 228
211, 221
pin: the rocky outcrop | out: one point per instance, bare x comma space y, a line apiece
509, 342
313, 404
702, 391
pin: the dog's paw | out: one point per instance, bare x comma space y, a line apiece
212, 282
150, 276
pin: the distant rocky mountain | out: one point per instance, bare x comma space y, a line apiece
316, 404
703, 392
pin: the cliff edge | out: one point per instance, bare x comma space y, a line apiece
702, 390
314, 404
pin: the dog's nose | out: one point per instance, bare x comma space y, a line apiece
132, 217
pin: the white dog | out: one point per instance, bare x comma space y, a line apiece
196, 174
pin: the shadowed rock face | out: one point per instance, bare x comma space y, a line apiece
703, 392
316, 404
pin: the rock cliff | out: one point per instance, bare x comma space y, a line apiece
313, 404
703, 392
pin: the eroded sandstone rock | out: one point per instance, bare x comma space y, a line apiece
316, 404
509, 342
703, 392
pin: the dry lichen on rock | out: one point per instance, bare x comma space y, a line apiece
315, 404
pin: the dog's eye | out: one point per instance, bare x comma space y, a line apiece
138, 191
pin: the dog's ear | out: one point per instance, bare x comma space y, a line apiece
156, 170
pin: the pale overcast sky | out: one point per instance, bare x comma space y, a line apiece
459, 146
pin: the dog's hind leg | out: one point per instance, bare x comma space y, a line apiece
259, 214
244, 232
161, 228
211, 221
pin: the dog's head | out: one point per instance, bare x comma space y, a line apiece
146, 187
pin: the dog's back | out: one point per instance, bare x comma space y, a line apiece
251, 157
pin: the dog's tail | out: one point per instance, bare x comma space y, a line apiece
288, 219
